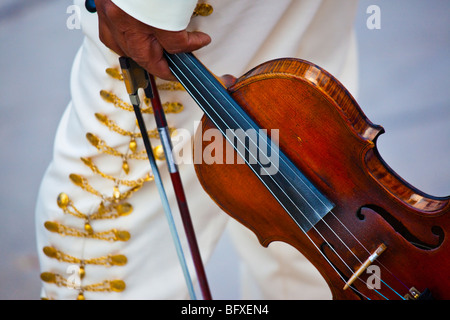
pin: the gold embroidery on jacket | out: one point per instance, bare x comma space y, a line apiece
166, 85
105, 286
117, 195
168, 107
111, 206
106, 261
203, 9
110, 211
109, 235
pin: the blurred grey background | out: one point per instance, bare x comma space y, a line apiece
404, 87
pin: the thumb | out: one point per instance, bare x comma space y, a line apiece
182, 41
198, 40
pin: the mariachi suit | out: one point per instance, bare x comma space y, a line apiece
101, 230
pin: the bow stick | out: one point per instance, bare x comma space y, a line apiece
136, 77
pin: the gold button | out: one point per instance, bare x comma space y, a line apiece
159, 153
133, 145
119, 260
93, 139
116, 193
114, 73
87, 161
174, 107
81, 297
63, 200
203, 9
124, 209
101, 117
51, 226
88, 228
107, 96
50, 252
126, 167
76, 179
82, 272
117, 285
122, 235
48, 277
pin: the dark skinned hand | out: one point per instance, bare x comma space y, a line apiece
144, 44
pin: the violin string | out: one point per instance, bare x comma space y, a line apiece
382, 265
312, 242
300, 210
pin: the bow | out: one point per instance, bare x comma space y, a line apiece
136, 77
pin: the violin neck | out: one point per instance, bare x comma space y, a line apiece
297, 195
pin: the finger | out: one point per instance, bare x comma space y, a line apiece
227, 80
182, 41
157, 64
109, 41
150, 55
107, 37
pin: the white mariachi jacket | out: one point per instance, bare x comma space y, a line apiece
171, 15
101, 230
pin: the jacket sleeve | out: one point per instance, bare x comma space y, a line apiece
173, 15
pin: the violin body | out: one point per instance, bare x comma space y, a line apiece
326, 135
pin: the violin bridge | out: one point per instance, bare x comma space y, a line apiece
365, 265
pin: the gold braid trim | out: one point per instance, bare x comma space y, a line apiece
111, 211
110, 97
104, 148
111, 124
107, 261
110, 235
171, 86
168, 107
83, 183
129, 183
105, 286
168, 86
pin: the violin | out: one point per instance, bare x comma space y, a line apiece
307, 172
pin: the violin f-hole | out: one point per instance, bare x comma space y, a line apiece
436, 232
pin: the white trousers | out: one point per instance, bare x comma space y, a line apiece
101, 229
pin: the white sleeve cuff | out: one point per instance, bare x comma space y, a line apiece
173, 15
